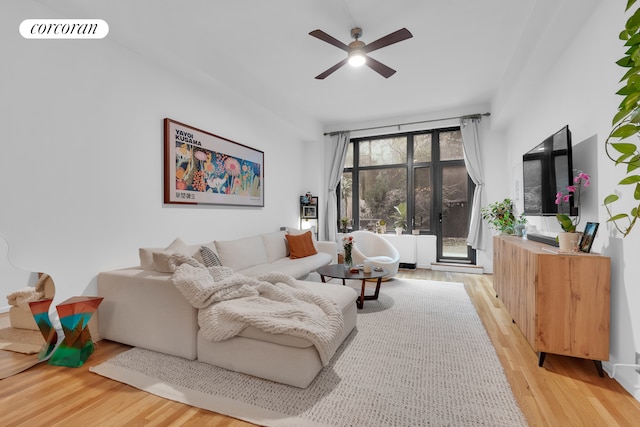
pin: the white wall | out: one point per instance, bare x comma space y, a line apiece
579, 90
81, 163
11, 278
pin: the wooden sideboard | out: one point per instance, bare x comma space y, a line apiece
560, 301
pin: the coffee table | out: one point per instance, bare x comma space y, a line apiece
339, 271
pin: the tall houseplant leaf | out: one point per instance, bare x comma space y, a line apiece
619, 146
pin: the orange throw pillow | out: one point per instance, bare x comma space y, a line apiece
300, 246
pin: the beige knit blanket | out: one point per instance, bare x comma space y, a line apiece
22, 297
275, 303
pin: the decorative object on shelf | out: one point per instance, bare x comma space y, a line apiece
400, 218
347, 244
307, 199
500, 216
309, 213
567, 223
381, 226
519, 229
618, 146
203, 168
588, 235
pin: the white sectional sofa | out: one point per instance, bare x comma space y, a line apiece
143, 308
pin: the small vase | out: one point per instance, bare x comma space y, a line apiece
568, 241
348, 261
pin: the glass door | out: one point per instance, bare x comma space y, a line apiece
454, 194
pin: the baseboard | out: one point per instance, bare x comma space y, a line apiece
457, 268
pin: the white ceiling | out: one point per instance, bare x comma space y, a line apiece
461, 52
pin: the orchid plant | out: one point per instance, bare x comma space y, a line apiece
568, 223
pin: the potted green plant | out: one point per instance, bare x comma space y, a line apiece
626, 124
344, 223
500, 216
400, 217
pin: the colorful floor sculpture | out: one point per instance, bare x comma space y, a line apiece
40, 311
77, 345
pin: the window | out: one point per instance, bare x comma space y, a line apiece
420, 172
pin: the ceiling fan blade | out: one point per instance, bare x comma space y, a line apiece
395, 37
332, 69
380, 68
319, 34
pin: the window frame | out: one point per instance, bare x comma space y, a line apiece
434, 165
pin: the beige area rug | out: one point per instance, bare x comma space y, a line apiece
22, 346
419, 357
19, 340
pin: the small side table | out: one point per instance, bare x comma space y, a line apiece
77, 345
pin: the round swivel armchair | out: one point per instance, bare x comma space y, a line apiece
375, 248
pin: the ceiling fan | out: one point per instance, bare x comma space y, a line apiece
357, 50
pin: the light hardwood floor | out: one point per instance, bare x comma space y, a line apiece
565, 392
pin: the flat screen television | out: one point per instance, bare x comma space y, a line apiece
548, 169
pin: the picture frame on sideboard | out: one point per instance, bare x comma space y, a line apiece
586, 240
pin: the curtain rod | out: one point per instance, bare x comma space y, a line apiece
470, 116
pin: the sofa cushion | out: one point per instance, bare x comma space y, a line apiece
147, 261
146, 258
297, 232
242, 253
300, 267
299, 270
301, 246
161, 261
209, 257
275, 245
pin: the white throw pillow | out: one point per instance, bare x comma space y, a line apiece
161, 261
242, 253
148, 261
275, 244
146, 257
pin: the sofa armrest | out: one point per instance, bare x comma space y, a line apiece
330, 248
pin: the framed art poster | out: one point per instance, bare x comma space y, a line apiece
203, 168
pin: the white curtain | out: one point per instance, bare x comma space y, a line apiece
470, 129
339, 145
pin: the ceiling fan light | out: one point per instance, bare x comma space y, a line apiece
356, 58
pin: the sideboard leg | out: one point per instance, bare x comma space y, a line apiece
598, 364
541, 357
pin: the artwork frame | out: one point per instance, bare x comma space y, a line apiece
586, 240
309, 212
202, 168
